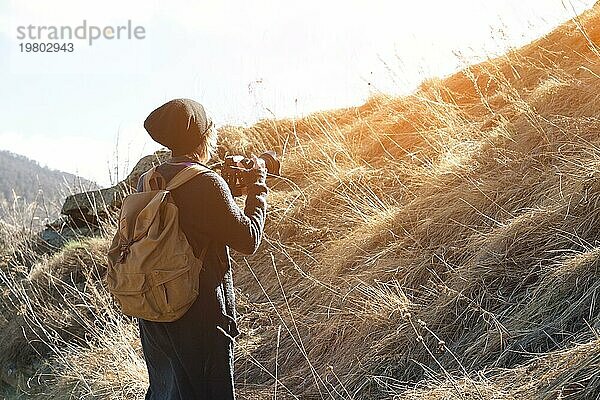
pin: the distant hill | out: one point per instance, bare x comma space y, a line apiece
25, 181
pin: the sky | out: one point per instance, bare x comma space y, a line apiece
83, 111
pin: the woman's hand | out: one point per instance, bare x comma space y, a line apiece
258, 162
257, 173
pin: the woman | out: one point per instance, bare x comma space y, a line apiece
192, 358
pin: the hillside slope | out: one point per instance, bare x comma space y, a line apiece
435, 246
31, 182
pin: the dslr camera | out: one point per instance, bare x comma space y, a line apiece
234, 166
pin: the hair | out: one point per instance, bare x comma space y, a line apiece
207, 147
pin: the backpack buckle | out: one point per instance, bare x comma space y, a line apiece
124, 252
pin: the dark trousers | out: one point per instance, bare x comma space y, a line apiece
190, 358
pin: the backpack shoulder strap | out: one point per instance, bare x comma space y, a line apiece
186, 174
151, 177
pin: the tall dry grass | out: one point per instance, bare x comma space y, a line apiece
439, 245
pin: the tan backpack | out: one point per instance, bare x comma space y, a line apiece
152, 271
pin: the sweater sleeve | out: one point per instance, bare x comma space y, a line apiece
211, 207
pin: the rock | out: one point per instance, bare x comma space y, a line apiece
59, 232
145, 164
83, 213
90, 208
93, 206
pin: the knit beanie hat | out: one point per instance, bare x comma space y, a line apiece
179, 124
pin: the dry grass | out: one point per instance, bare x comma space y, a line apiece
68, 335
442, 245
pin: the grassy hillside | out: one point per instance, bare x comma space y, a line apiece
436, 246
